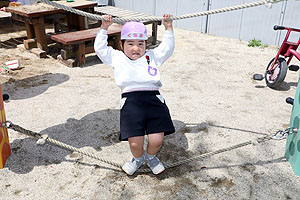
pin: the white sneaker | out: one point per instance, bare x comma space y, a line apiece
132, 165
155, 165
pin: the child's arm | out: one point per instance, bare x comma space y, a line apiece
166, 47
103, 51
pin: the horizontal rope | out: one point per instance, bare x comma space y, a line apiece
154, 18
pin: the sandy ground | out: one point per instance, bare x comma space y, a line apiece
207, 80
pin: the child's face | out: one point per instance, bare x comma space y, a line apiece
134, 49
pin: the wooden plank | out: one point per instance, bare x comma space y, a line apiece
19, 18
108, 9
125, 15
84, 35
122, 13
105, 8
119, 12
136, 15
75, 37
41, 9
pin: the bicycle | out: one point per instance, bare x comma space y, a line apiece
277, 68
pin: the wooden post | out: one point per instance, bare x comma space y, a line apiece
76, 22
29, 30
81, 22
117, 41
154, 32
4, 142
81, 54
40, 33
70, 22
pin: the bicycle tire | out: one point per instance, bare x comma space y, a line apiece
275, 77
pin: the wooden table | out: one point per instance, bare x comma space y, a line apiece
75, 45
123, 13
33, 17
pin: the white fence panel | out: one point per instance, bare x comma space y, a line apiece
258, 22
144, 6
291, 19
192, 6
225, 24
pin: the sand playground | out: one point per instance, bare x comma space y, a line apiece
214, 103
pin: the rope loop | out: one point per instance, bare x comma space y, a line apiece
6, 124
42, 140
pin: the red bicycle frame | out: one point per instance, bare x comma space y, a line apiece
287, 49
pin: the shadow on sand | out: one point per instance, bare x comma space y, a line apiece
32, 86
96, 130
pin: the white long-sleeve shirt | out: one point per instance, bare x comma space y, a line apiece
135, 75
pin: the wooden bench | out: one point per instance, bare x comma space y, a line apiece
75, 45
123, 13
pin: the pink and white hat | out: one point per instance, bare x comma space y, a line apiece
134, 31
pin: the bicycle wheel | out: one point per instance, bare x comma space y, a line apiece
276, 76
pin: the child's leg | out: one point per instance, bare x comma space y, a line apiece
136, 146
155, 141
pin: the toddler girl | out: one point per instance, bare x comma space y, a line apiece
136, 70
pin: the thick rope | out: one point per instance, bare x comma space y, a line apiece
58, 143
154, 18
206, 155
69, 147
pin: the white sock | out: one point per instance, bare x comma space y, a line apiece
148, 156
140, 159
